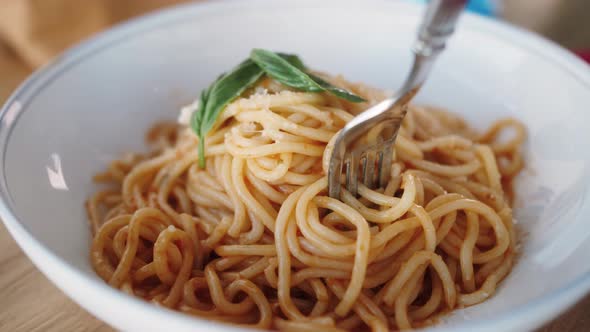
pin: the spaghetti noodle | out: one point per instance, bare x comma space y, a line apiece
253, 238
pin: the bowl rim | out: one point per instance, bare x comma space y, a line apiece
548, 305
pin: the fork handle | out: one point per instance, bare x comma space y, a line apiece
437, 26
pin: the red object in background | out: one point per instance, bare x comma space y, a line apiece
584, 55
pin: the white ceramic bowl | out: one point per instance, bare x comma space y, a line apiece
95, 102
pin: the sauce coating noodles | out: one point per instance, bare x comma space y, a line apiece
254, 239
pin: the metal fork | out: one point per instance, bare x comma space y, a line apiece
365, 145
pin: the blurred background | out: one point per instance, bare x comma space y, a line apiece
32, 32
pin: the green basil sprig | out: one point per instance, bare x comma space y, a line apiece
287, 69
284, 72
339, 92
228, 87
293, 59
336, 91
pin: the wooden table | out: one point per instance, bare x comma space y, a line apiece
29, 302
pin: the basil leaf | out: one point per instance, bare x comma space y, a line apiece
336, 91
293, 59
229, 87
197, 117
218, 95
196, 120
287, 69
284, 72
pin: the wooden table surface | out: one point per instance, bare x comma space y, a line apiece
29, 302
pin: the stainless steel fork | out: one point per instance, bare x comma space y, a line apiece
365, 145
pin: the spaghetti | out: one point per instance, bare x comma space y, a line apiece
254, 239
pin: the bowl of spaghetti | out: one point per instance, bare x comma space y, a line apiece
171, 173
